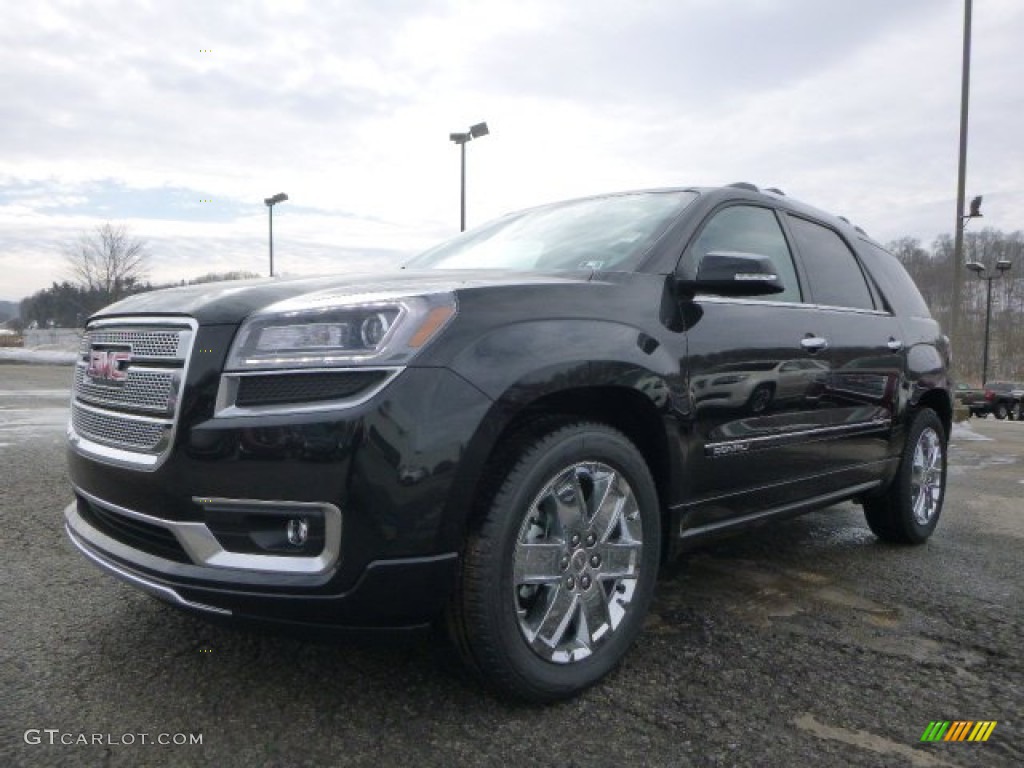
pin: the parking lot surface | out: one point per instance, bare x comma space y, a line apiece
804, 643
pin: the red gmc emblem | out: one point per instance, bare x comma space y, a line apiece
108, 364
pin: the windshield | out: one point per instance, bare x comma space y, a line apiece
603, 233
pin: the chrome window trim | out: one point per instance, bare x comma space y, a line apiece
203, 548
227, 391
855, 310
802, 304
712, 299
146, 461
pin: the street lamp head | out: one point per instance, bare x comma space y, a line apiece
977, 267
478, 130
280, 197
459, 138
1003, 265
975, 211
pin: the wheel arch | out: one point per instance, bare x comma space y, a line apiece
939, 401
624, 408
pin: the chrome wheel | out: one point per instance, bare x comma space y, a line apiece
926, 477
576, 562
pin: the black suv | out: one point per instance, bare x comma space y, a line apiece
510, 433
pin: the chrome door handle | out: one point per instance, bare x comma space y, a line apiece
814, 343
894, 345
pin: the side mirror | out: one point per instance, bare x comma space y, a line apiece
732, 273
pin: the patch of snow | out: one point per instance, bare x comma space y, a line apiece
48, 355
962, 432
35, 394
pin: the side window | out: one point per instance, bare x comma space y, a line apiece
898, 286
749, 229
832, 270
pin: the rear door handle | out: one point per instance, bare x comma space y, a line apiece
894, 345
813, 343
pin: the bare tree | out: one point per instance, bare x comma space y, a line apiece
109, 261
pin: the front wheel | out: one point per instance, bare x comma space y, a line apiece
908, 510
760, 398
1001, 411
557, 578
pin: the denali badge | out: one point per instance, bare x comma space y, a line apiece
728, 449
108, 364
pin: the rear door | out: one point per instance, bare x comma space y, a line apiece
866, 349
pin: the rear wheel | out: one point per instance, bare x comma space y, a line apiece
908, 510
558, 577
1001, 411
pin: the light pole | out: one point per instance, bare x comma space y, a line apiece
1002, 266
270, 202
474, 132
958, 240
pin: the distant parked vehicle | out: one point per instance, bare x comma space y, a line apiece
1000, 398
9, 338
972, 398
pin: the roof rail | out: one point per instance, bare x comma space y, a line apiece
776, 190
861, 230
843, 218
745, 185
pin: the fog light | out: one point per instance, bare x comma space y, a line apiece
266, 528
297, 530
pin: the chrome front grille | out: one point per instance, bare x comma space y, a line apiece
127, 384
119, 431
151, 390
157, 344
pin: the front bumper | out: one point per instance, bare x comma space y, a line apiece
390, 594
384, 486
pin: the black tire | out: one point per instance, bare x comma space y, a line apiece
760, 398
1000, 411
529, 565
908, 510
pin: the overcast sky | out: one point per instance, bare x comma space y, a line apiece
141, 112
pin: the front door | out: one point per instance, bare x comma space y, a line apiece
761, 421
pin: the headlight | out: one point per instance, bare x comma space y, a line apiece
324, 331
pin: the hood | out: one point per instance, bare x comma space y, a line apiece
231, 302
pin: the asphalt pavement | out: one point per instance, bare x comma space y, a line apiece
807, 643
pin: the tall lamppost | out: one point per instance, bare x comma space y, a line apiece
1002, 266
474, 132
280, 197
958, 240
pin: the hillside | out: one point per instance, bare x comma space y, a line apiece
8, 309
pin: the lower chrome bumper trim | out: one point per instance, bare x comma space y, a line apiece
157, 590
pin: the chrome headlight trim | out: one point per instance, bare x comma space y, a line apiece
412, 322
